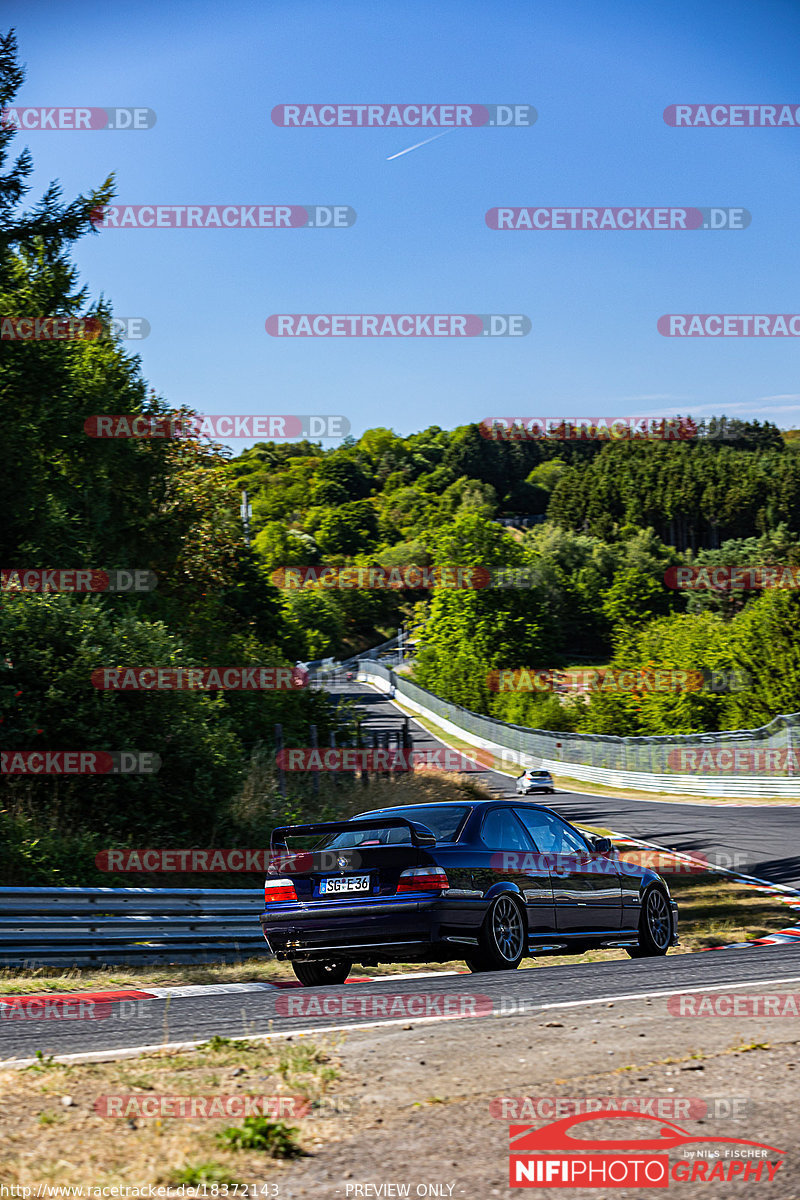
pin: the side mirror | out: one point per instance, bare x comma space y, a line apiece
422, 835
602, 845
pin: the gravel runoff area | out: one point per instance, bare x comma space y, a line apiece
426, 1097
423, 1107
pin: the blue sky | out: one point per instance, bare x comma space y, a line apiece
599, 76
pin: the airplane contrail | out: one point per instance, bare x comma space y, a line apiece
410, 148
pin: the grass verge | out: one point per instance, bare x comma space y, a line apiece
568, 783
53, 1133
599, 789
713, 911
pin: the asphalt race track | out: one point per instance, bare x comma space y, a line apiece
768, 836
256, 1009
760, 840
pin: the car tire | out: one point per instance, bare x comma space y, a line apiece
318, 974
655, 925
503, 938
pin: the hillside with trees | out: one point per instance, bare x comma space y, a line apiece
604, 521
592, 525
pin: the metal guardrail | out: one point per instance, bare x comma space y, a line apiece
69, 926
314, 667
72, 926
744, 786
638, 762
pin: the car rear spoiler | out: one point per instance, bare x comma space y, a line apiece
421, 835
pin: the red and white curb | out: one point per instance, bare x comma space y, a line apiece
190, 989
787, 895
784, 893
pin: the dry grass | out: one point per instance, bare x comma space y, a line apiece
582, 787
713, 911
45, 1141
252, 970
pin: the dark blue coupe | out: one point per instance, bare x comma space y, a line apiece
490, 881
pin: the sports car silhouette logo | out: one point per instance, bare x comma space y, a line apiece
604, 1161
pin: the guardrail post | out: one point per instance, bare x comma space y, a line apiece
334, 774
360, 742
278, 748
313, 739
387, 774
789, 748
406, 743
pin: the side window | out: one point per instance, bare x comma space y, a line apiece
550, 834
502, 831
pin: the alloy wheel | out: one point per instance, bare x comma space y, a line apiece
659, 922
507, 928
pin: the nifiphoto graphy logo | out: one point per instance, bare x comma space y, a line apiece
395, 800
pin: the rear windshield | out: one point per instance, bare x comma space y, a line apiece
539, 774
443, 821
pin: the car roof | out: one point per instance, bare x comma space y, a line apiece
493, 803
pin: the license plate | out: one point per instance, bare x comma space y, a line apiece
347, 883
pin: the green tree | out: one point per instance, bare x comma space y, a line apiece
349, 529
634, 598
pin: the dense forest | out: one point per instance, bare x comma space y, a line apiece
592, 525
71, 501
606, 521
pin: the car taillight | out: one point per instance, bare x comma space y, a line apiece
278, 891
423, 879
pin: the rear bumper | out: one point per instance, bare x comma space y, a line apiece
344, 927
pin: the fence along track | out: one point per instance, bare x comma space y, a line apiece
635, 762
69, 926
